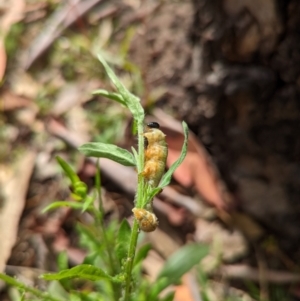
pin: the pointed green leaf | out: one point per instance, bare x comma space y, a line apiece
132, 102
166, 179
59, 290
13, 282
68, 170
83, 271
176, 266
88, 203
123, 240
109, 151
168, 297
181, 262
73, 205
135, 154
111, 95
142, 253
62, 260
158, 286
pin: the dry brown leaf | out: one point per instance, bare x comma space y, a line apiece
12, 13
3, 59
63, 17
14, 188
10, 101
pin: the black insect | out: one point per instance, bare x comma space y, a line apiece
153, 125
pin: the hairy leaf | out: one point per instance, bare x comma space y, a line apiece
132, 102
123, 240
83, 271
111, 95
12, 281
109, 151
166, 179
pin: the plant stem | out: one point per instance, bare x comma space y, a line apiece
140, 167
99, 218
130, 259
138, 203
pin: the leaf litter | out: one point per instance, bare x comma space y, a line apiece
189, 208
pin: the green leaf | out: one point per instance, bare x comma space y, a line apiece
62, 260
180, 263
166, 179
83, 271
12, 281
132, 102
169, 297
111, 95
109, 151
88, 202
68, 170
152, 193
80, 189
135, 154
73, 205
123, 240
57, 290
142, 253
158, 286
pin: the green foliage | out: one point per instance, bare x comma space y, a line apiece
83, 271
166, 179
142, 254
12, 41
111, 95
79, 187
123, 240
182, 261
113, 265
70, 204
176, 266
21, 286
130, 100
109, 151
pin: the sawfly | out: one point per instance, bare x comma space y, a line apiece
156, 152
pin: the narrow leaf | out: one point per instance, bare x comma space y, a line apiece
135, 154
12, 281
166, 179
176, 266
83, 271
88, 202
142, 253
158, 286
68, 170
62, 260
109, 151
73, 205
132, 102
182, 261
169, 296
111, 95
123, 240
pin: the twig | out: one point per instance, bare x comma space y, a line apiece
244, 272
